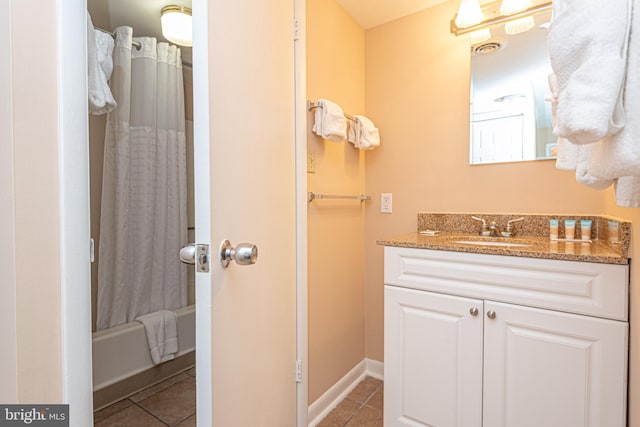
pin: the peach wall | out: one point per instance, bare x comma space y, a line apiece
417, 92
36, 203
335, 70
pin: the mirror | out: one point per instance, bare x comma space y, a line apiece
510, 119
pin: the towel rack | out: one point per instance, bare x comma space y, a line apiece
312, 196
313, 105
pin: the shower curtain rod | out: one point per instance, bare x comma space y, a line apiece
134, 43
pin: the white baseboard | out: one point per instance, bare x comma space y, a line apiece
319, 409
374, 369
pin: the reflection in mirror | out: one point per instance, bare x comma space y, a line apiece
510, 119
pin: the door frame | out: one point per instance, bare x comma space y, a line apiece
300, 65
202, 209
75, 234
73, 162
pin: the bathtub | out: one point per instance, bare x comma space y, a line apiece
122, 352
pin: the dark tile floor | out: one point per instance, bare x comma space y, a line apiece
169, 403
362, 407
173, 403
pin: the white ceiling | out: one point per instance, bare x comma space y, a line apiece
144, 15
370, 13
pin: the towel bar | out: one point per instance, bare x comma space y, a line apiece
312, 196
312, 106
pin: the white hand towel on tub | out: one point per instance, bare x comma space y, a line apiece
162, 334
364, 134
588, 49
330, 122
99, 67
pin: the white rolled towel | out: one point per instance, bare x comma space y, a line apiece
330, 122
364, 134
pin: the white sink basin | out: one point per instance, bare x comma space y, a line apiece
492, 243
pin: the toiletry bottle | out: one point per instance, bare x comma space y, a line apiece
570, 229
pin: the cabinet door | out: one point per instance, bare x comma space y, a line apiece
546, 368
432, 359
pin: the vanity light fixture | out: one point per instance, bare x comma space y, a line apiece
511, 14
480, 36
176, 25
509, 7
469, 13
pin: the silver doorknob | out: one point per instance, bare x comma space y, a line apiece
491, 314
473, 311
242, 254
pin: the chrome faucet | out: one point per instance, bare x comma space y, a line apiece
508, 232
493, 229
485, 229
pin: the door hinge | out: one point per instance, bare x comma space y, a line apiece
296, 29
92, 250
298, 371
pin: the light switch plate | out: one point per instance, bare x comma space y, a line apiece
386, 202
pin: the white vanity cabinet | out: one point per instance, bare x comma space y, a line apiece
489, 340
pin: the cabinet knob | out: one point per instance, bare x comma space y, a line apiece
491, 314
473, 311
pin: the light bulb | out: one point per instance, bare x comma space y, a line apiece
519, 25
469, 13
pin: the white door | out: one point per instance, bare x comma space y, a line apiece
432, 359
250, 310
546, 368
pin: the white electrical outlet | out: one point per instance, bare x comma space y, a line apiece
386, 202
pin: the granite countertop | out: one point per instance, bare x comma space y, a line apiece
532, 234
537, 247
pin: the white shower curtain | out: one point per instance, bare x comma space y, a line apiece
144, 204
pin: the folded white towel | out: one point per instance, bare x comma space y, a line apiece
100, 65
330, 122
364, 134
619, 155
162, 334
588, 48
627, 190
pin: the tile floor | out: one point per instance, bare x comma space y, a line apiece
362, 407
173, 403
169, 403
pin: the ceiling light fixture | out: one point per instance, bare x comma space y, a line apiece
176, 25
